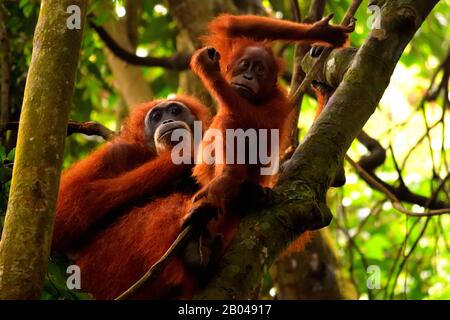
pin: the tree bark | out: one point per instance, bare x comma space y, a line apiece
299, 201
27, 234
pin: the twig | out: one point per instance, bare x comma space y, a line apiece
90, 128
374, 211
422, 232
406, 257
297, 76
315, 13
376, 158
427, 97
312, 74
445, 107
397, 168
397, 257
393, 198
418, 142
295, 11
432, 94
352, 244
430, 147
158, 266
178, 62
297, 68
443, 233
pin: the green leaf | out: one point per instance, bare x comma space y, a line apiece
11, 155
23, 3
27, 10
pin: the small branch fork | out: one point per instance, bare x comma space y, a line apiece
159, 265
178, 62
393, 198
89, 128
312, 74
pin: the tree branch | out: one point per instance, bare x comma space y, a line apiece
392, 197
300, 90
178, 62
341, 60
376, 156
315, 13
90, 128
432, 94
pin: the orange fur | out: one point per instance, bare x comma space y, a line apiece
106, 180
113, 219
230, 36
226, 29
121, 254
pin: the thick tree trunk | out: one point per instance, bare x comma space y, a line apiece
27, 234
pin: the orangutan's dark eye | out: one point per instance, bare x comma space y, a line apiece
175, 110
156, 116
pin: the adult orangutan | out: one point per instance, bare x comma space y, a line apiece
121, 208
